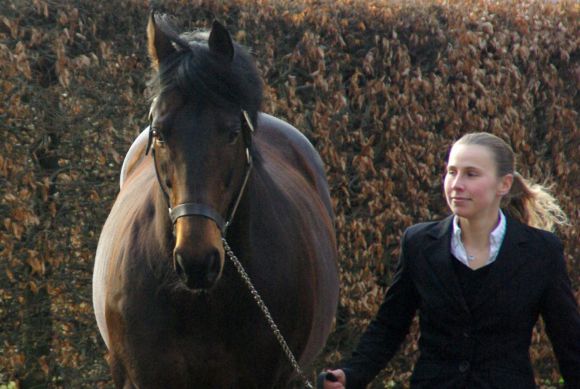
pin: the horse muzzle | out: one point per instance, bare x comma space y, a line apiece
198, 273
198, 256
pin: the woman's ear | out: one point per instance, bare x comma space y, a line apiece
505, 184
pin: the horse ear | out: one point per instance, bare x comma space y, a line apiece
220, 41
159, 43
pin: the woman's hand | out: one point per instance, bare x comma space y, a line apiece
333, 379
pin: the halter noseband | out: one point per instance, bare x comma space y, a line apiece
199, 209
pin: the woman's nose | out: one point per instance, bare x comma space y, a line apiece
457, 182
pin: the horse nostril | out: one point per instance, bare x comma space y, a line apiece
213, 267
179, 267
198, 273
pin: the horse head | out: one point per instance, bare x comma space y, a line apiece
207, 96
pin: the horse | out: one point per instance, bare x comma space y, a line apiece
211, 169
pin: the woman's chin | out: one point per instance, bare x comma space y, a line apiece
460, 211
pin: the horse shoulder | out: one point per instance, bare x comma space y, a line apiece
291, 176
134, 194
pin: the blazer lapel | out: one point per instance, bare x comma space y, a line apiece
509, 260
438, 254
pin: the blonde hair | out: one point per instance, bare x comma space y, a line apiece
527, 201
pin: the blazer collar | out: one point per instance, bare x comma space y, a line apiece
509, 260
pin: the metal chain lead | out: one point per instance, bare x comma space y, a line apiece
266, 312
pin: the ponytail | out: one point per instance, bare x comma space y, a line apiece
528, 202
533, 204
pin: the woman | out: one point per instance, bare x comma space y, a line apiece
479, 279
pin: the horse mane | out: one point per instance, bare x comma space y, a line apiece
200, 76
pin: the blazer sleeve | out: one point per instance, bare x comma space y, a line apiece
559, 310
387, 330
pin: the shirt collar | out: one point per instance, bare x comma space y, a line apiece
495, 240
496, 236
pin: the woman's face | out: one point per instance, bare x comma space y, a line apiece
472, 187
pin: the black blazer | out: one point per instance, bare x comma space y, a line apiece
486, 346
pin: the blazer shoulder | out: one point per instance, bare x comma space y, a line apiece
542, 239
419, 231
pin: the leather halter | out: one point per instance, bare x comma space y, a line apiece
199, 209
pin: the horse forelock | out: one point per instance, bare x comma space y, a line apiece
200, 77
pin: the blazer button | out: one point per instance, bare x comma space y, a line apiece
466, 334
464, 366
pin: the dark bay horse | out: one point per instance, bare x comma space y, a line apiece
172, 309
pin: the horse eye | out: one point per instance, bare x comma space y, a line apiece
158, 135
234, 134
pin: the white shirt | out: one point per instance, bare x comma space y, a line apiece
495, 239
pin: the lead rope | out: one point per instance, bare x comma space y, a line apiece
267, 315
